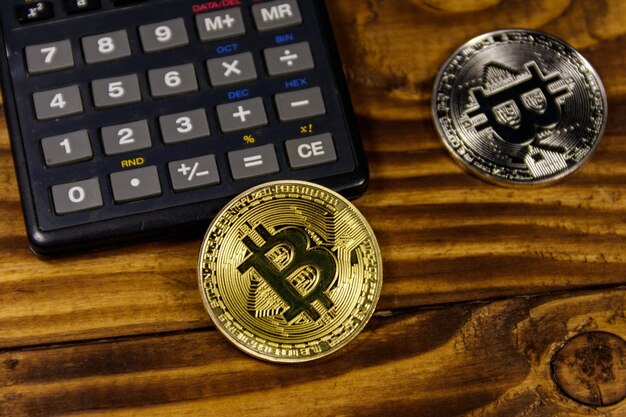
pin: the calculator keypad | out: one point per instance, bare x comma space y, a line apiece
131, 109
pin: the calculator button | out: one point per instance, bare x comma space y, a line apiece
106, 47
289, 58
126, 137
79, 6
60, 102
137, 184
163, 35
117, 91
66, 149
194, 173
242, 115
184, 126
219, 25
172, 81
253, 162
276, 14
49, 57
311, 151
34, 12
76, 196
300, 104
232, 69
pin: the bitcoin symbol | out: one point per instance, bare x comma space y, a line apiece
516, 112
280, 277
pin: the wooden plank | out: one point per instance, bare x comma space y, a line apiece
488, 360
446, 237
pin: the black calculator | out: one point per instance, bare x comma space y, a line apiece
140, 119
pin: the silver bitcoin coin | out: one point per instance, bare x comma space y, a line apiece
519, 107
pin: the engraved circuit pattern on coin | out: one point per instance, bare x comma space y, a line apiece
519, 107
290, 271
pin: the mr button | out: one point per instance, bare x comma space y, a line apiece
311, 151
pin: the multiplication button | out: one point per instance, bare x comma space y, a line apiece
231, 69
194, 173
219, 25
76, 196
137, 184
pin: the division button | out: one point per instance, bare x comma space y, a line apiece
194, 173
311, 151
219, 25
231, 69
49, 57
276, 14
137, 184
300, 104
61, 102
289, 59
66, 149
253, 162
76, 196
242, 115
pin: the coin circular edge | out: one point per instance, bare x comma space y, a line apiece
499, 181
333, 349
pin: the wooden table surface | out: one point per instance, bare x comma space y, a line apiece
482, 286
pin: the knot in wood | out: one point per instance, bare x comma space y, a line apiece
591, 369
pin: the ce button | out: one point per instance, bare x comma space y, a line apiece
311, 151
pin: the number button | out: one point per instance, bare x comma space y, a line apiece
57, 103
49, 57
66, 149
118, 91
126, 137
172, 81
164, 35
106, 47
76, 196
185, 126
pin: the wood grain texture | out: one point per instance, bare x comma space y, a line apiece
446, 238
487, 360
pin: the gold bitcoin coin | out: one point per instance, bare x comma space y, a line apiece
290, 271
